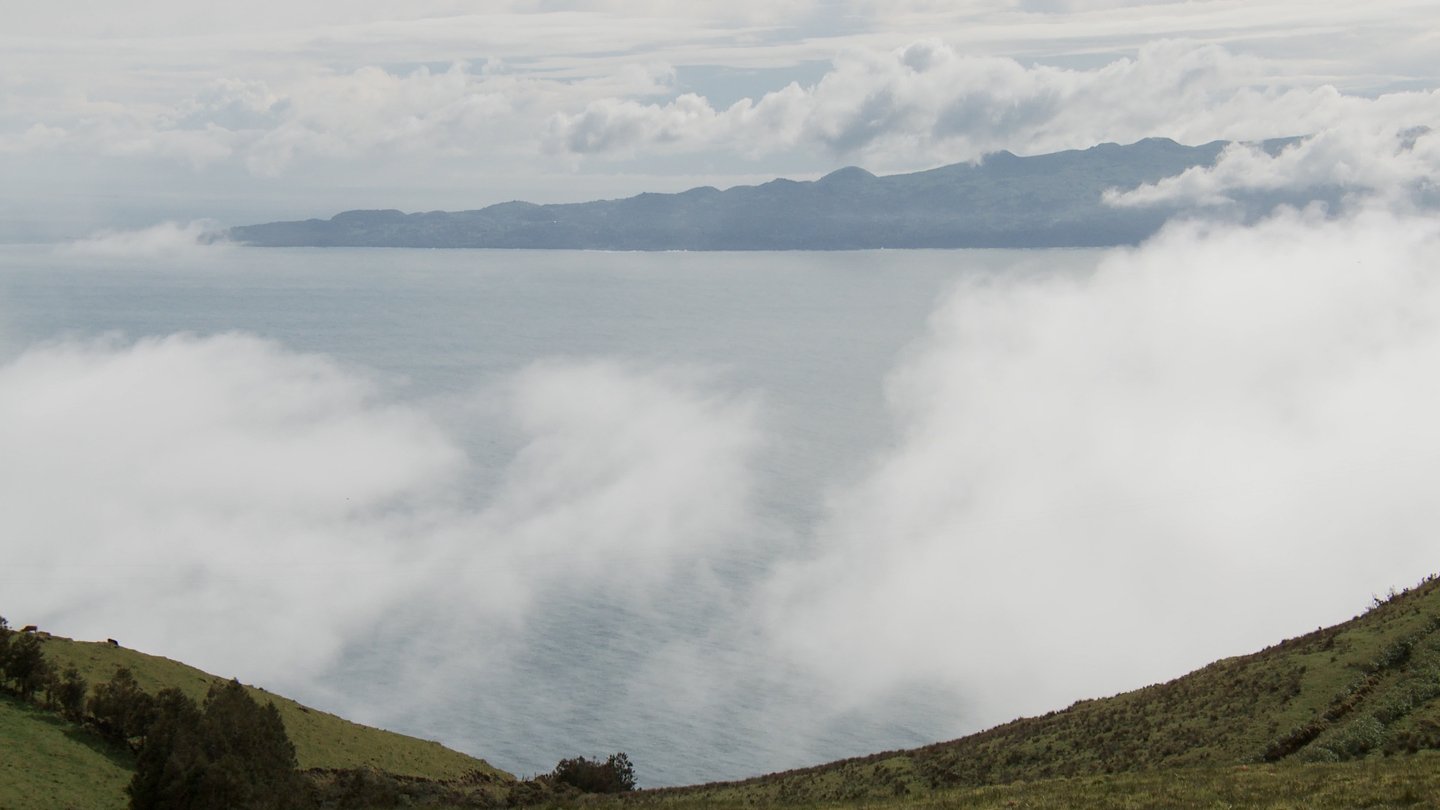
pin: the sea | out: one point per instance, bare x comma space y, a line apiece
801, 344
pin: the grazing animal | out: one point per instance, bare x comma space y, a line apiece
112, 642
29, 628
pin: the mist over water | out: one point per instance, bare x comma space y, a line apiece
728, 513
586, 464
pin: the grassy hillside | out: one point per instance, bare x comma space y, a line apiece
1347, 716
1411, 781
321, 740
48, 762
1368, 688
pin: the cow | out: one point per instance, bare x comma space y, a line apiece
112, 642
29, 628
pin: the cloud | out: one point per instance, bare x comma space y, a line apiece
304, 111
276, 516
213, 490
1375, 160
1100, 475
1103, 480
926, 103
165, 240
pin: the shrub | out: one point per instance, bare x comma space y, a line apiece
615, 775
1359, 737
69, 694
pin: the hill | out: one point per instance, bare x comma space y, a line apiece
1346, 716
46, 761
1004, 201
1366, 690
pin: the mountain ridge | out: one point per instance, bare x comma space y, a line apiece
1001, 201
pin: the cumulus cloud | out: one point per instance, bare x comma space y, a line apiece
488, 109
925, 103
929, 103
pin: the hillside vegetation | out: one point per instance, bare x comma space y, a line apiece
51, 757
321, 740
1347, 716
1364, 689
48, 762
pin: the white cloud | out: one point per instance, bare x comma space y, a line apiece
257, 512
926, 103
213, 490
165, 240
1104, 481
1215, 440
1360, 157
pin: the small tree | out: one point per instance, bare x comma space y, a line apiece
25, 664
65, 692
615, 775
5, 633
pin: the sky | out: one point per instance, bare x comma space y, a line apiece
132, 114
1191, 448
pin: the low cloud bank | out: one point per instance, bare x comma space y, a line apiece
1098, 480
1105, 481
1400, 165
163, 241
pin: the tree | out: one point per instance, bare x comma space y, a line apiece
25, 664
122, 710
5, 633
234, 754
171, 764
67, 693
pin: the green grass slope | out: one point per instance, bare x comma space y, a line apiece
1347, 716
1411, 781
48, 762
321, 740
1368, 688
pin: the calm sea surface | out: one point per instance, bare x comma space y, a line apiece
811, 335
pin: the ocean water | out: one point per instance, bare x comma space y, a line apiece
808, 339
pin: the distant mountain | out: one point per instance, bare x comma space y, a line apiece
1004, 201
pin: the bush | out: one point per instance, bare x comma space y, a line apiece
615, 775
1359, 738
